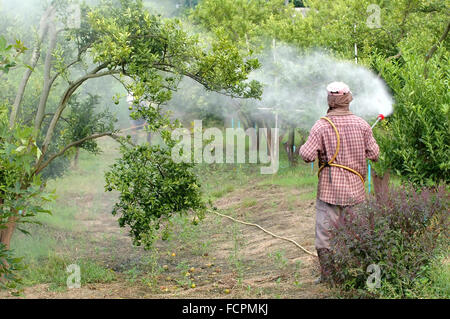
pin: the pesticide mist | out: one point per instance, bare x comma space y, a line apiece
295, 85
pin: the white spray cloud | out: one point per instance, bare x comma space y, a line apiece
295, 84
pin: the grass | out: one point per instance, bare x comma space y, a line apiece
292, 180
62, 217
436, 285
297, 279
222, 192
56, 242
308, 195
217, 180
34, 246
279, 259
440, 280
151, 269
248, 202
191, 235
184, 276
132, 274
53, 270
235, 258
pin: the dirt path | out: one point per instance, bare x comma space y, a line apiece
222, 258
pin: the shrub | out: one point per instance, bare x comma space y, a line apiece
404, 236
9, 265
414, 143
21, 196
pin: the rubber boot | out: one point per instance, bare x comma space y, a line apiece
326, 266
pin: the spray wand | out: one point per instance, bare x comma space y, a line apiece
369, 173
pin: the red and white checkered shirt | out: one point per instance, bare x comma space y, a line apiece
357, 144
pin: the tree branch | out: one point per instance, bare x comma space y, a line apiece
38, 121
45, 115
121, 139
399, 54
434, 48
53, 34
65, 98
43, 26
172, 69
87, 138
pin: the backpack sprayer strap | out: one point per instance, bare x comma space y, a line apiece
330, 162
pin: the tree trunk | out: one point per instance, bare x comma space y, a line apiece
43, 25
5, 238
381, 186
6, 233
75, 159
53, 34
302, 141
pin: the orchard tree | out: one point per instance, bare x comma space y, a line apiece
416, 139
149, 56
245, 22
17, 152
374, 26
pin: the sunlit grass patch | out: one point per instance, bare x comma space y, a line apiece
248, 202
308, 195
291, 180
62, 216
222, 192
33, 246
53, 270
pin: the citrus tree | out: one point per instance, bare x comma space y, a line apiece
149, 55
416, 140
20, 201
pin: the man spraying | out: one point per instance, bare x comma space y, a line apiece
342, 141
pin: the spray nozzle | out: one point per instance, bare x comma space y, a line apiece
380, 117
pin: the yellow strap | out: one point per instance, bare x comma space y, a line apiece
349, 169
330, 162
338, 138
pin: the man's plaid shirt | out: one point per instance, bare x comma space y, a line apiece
357, 144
